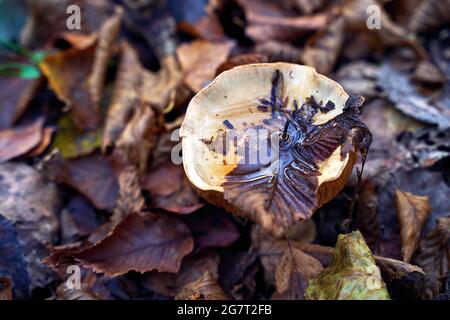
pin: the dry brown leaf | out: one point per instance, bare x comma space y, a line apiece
434, 256
204, 288
430, 15
308, 6
135, 115
200, 59
77, 75
412, 212
266, 20
130, 194
322, 51
20, 140
295, 261
140, 243
15, 95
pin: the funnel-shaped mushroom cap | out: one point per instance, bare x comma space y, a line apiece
272, 142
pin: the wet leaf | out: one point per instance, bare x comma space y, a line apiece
200, 59
352, 275
412, 212
140, 243
204, 288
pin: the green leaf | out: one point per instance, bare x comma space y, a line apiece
352, 275
21, 70
72, 142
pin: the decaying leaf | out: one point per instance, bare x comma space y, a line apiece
268, 21
322, 51
77, 75
204, 288
20, 140
295, 261
200, 59
310, 135
240, 60
72, 142
353, 274
434, 256
405, 97
140, 243
134, 114
412, 212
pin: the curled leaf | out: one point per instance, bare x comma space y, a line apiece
352, 275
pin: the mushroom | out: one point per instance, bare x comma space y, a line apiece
272, 142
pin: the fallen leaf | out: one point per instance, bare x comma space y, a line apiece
77, 75
279, 51
412, 212
434, 256
322, 51
72, 142
170, 190
266, 20
212, 227
192, 268
200, 59
20, 140
15, 95
295, 261
240, 60
352, 275
140, 243
93, 177
406, 98
204, 288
